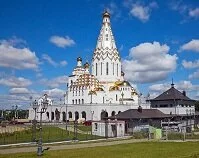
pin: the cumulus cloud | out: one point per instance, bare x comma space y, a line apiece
142, 12
62, 42
49, 60
55, 93
195, 75
184, 85
193, 45
149, 62
190, 64
194, 13
55, 82
17, 58
15, 82
19, 91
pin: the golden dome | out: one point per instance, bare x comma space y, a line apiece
86, 65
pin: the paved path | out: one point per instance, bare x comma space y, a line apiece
85, 145
70, 146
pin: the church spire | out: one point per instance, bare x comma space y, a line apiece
106, 64
106, 38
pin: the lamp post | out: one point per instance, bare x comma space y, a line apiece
92, 113
44, 105
34, 122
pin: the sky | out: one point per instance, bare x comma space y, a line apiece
40, 41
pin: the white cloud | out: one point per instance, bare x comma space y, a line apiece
49, 60
62, 41
143, 12
187, 86
17, 58
63, 63
55, 82
15, 82
55, 93
195, 75
149, 62
190, 64
19, 91
193, 45
114, 10
194, 13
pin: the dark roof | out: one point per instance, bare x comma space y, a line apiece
172, 94
135, 114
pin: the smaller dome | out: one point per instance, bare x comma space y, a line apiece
122, 73
79, 59
86, 65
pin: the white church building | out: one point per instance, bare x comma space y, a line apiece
100, 93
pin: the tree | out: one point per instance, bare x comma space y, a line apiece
197, 105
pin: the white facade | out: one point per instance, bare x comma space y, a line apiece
102, 91
108, 128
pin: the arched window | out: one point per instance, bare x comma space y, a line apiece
84, 115
101, 68
107, 68
76, 115
96, 68
113, 113
79, 101
119, 112
52, 116
113, 68
104, 114
70, 115
82, 101
75, 101
72, 101
47, 114
117, 69
116, 97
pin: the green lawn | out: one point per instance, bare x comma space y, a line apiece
50, 134
135, 150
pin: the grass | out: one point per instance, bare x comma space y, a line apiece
135, 150
84, 128
50, 134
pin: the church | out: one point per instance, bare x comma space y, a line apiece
103, 92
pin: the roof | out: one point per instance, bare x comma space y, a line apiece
171, 94
135, 114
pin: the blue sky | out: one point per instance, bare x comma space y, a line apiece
40, 41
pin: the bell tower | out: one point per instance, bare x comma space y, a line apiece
106, 64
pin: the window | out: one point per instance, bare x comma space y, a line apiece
79, 92
117, 69
106, 39
106, 35
101, 68
116, 97
73, 101
113, 68
107, 68
79, 101
82, 101
96, 69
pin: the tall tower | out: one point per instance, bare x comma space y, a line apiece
106, 64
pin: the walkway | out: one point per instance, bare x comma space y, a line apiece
53, 146
71, 146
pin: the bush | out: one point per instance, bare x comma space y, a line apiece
139, 135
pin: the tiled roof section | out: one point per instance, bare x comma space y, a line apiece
171, 94
145, 113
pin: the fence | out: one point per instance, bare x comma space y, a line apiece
51, 132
